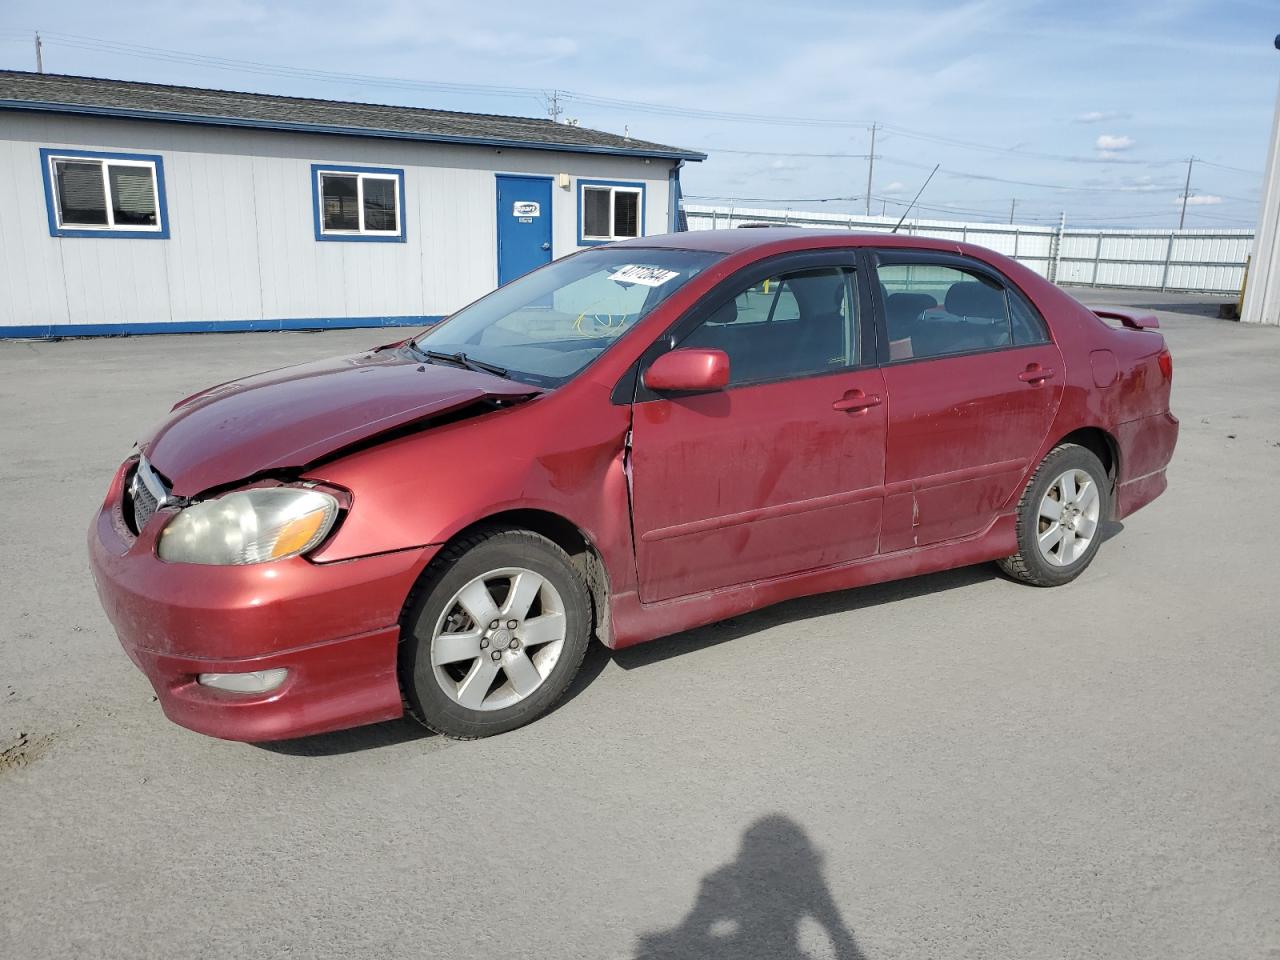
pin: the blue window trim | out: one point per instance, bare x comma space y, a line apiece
318, 168
581, 184
105, 233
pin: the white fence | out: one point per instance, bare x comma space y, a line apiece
1202, 261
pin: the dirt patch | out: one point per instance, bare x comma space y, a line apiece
22, 751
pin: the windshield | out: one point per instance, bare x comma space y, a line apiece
548, 325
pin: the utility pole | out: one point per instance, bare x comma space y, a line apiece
39, 54
553, 106
1012, 206
871, 166
1185, 191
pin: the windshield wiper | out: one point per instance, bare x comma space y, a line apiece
460, 359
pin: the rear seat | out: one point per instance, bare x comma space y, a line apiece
976, 318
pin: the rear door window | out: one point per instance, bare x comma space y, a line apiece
936, 310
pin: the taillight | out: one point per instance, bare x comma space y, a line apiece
1166, 363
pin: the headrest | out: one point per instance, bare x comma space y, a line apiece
902, 306
725, 314
817, 291
969, 298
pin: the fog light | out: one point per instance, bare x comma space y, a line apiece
259, 681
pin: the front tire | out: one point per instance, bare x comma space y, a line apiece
1060, 518
493, 634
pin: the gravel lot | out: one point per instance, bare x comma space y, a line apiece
951, 766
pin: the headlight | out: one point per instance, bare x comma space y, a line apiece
249, 526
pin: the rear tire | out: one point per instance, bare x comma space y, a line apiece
493, 633
1060, 518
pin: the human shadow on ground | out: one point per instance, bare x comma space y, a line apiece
753, 906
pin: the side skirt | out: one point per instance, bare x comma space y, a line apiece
635, 622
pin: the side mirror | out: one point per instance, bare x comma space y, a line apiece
691, 370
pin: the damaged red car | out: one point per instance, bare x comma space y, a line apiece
629, 442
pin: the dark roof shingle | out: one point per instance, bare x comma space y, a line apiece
37, 91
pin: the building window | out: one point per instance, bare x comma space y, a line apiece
91, 194
609, 211
358, 203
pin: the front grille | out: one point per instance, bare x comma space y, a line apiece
145, 493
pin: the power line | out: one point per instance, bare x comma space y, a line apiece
129, 49
961, 175
1016, 151
705, 196
1223, 166
1219, 217
836, 155
958, 174
258, 67
251, 66
790, 154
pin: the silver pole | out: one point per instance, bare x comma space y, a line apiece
871, 165
39, 54
1186, 190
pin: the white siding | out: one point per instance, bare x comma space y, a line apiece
242, 240
1211, 261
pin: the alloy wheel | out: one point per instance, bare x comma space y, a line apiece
1068, 518
498, 639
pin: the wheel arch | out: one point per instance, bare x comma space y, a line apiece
570, 538
1102, 445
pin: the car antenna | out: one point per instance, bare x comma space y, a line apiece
917, 197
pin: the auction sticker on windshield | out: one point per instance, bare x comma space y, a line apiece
645, 276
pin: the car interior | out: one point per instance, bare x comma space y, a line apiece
782, 328
973, 315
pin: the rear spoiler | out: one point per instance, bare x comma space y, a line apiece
1131, 318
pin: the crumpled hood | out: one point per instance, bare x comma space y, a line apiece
296, 415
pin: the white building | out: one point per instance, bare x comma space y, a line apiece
1262, 292
140, 208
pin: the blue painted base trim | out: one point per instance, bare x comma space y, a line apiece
55, 330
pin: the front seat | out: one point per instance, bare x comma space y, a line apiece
902, 310
820, 340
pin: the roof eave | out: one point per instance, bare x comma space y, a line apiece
288, 126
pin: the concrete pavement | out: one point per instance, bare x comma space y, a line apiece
952, 766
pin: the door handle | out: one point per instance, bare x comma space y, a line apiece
1035, 374
546, 246
855, 401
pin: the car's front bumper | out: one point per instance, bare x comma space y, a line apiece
333, 626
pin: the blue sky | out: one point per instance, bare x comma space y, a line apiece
1090, 108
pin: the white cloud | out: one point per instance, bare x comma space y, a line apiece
510, 43
1199, 200
1097, 116
895, 187
1110, 143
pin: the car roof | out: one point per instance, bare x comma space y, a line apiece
741, 239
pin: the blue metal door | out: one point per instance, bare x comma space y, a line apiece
524, 225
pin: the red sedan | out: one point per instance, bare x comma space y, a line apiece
629, 442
